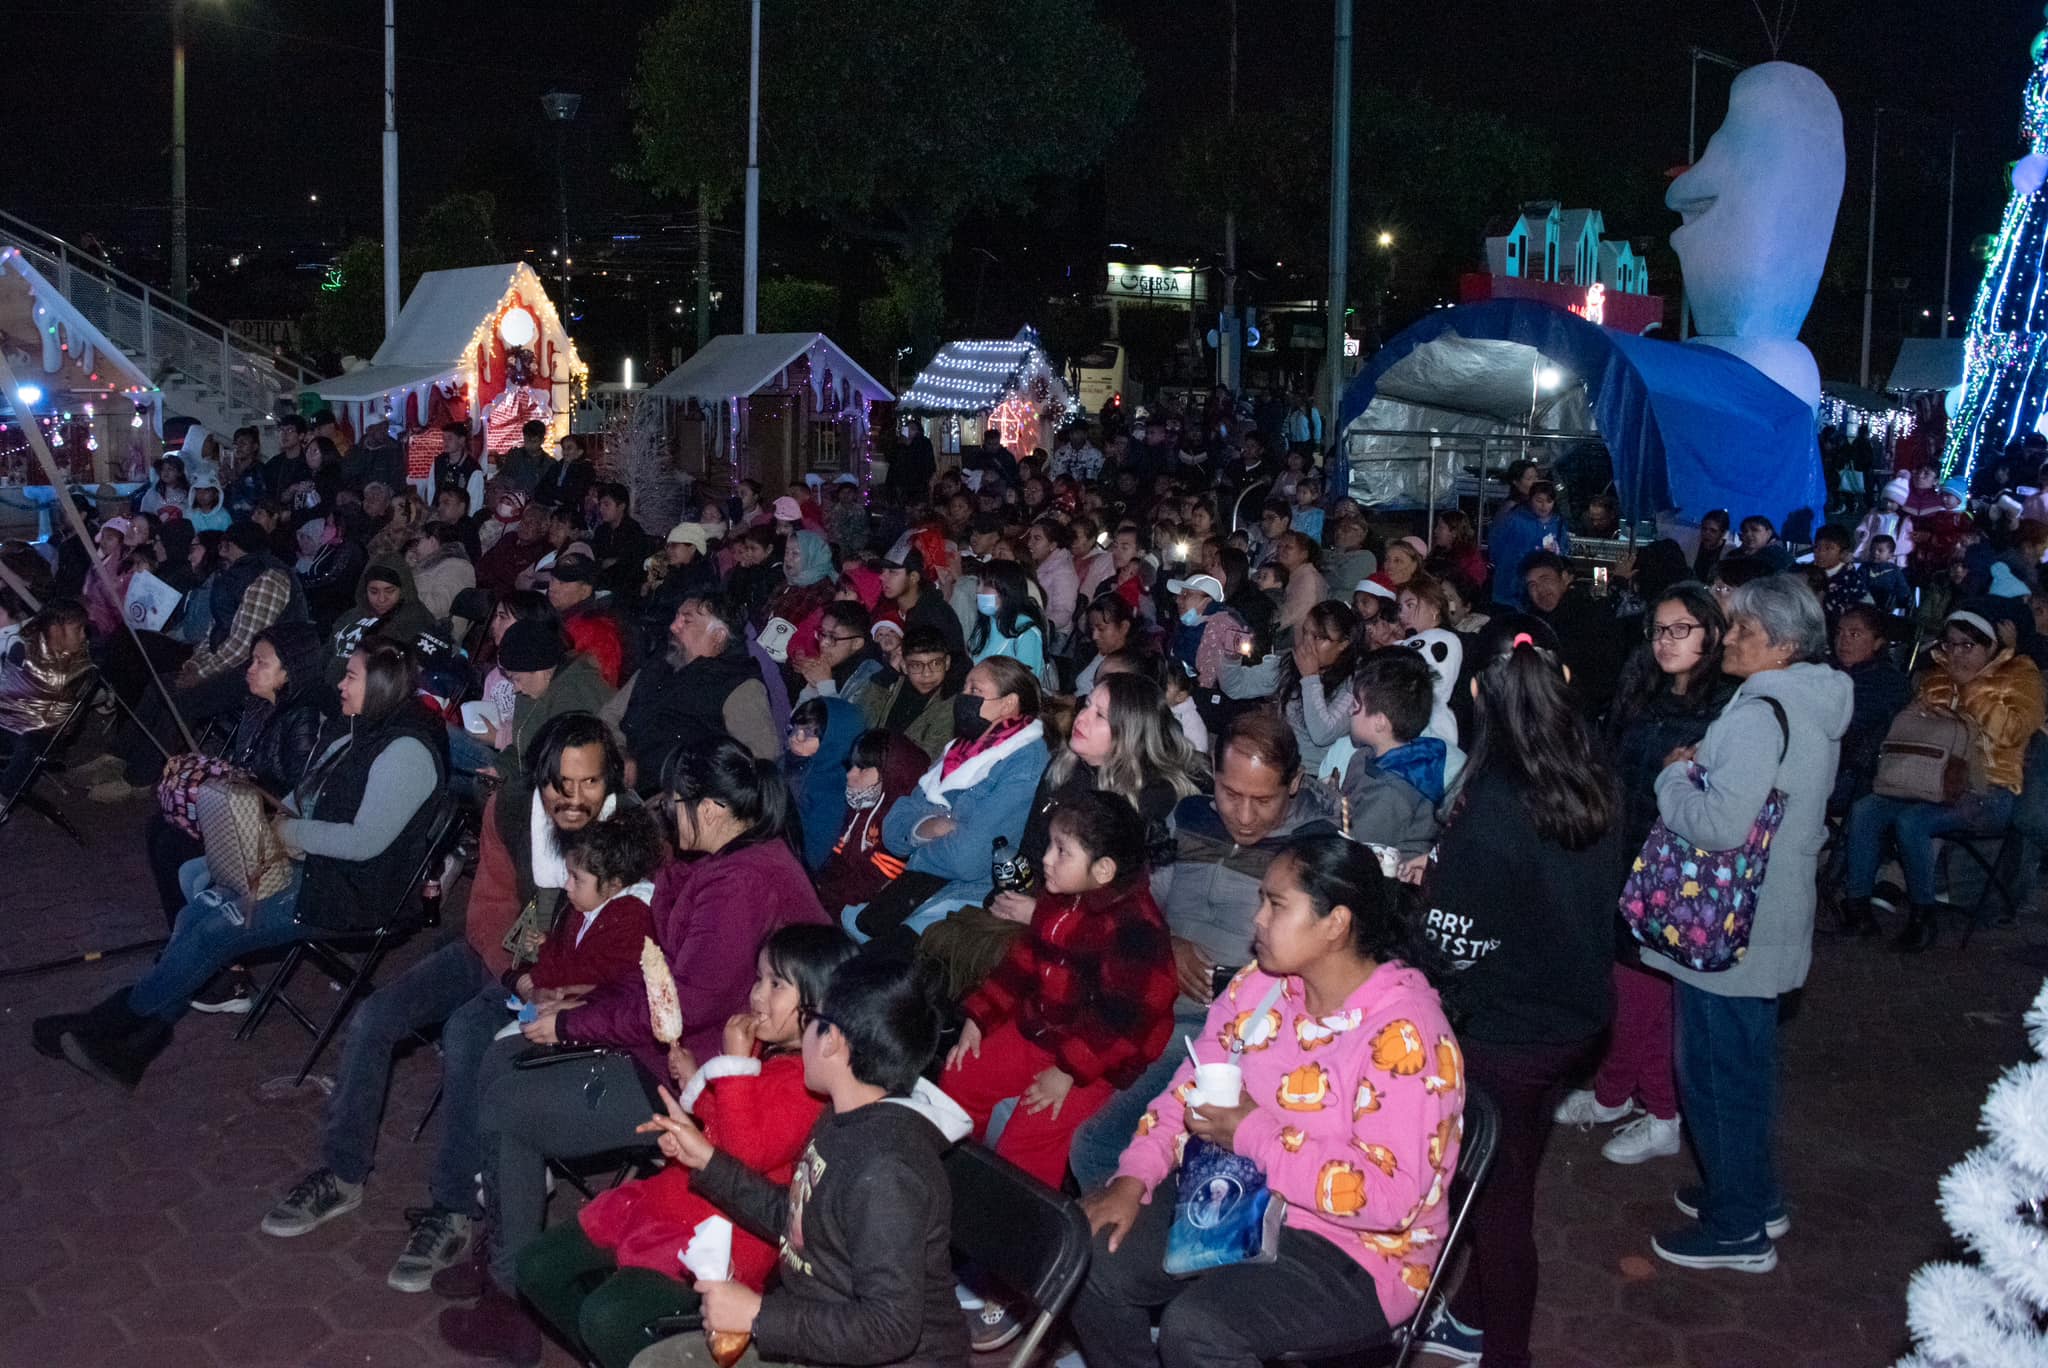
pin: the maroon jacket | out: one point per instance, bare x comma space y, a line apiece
1091, 982
608, 953
710, 917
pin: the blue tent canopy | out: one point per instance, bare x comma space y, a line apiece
1690, 428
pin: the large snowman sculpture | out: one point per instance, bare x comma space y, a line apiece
1759, 209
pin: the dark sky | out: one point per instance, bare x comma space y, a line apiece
285, 103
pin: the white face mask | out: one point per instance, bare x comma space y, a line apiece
860, 799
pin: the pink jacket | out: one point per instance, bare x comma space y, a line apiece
1358, 1122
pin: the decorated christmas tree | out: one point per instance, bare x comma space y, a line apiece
2005, 367
1991, 1314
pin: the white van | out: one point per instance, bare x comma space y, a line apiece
1099, 378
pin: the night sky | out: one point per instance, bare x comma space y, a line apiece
285, 103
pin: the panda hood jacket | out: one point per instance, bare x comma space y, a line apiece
1357, 1117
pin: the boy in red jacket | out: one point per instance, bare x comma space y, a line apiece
1082, 1002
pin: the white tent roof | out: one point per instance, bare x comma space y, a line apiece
441, 315
736, 365
368, 382
1927, 363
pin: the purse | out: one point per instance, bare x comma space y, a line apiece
243, 854
1926, 757
1697, 906
177, 792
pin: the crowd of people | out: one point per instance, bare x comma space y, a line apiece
998, 801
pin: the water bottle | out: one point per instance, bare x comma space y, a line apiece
1007, 871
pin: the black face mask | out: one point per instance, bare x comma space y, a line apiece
968, 723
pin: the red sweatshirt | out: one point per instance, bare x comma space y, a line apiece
755, 1110
608, 952
1091, 982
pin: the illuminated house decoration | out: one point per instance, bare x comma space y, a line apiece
1563, 257
771, 407
455, 354
1013, 384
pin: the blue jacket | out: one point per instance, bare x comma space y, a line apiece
820, 789
1518, 533
988, 796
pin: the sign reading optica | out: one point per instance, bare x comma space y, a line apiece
1159, 284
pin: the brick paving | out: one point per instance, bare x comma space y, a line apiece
130, 1224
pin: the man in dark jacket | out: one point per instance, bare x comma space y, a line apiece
1881, 694
568, 479
707, 685
1585, 627
620, 544
522, 467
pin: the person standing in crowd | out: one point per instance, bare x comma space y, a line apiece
1671, 690
1779, 733
1533, 988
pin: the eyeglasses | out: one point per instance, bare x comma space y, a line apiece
841, 638
1673, 631
1949, 643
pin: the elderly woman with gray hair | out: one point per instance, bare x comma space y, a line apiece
1781, 730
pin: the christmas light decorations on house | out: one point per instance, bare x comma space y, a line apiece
2005, 352
1884, 424
974, 378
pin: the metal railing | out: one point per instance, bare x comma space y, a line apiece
174, 344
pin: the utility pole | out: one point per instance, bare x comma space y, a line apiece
1230, 356
1340, 219
180, 268
1948, 243
1870, 256
561, 107
390, 166
703, 265
751, 280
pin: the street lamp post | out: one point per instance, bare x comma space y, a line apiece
1340, 218
390, 166
750, 281
561, 107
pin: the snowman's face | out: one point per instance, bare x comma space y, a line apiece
1759, 205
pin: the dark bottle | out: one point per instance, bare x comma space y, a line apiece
1007, 871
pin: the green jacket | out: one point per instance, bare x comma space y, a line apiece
577, 687
931, 730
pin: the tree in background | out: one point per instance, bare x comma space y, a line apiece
2005, 380
889, 120
791, 305
348, 316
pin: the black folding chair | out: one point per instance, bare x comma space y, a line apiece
1030, 1238
47, 745
331, 952
1475, 1157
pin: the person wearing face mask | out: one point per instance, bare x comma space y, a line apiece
881, 766
981, 788
1008, 623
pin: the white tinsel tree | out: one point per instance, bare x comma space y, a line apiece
1992, 1314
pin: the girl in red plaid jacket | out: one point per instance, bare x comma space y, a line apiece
1083, 1001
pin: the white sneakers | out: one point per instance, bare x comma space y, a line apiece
1646, 1137
1582, 1108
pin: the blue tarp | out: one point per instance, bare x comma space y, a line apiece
1690, 428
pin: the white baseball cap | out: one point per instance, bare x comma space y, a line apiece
1201, 584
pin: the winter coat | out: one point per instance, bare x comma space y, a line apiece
38, 687
860, 866
1740, 754
987, 796
1357, 1118
758, 1112
1091, 982
866, 1233
710, 917
1210, 893
1385, 807
1664, 722
2004, 703
441, 577
602, 947
1518, 534
819, 783
576, 688
932, 726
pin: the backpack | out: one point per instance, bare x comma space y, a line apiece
1927, 757
1697, 906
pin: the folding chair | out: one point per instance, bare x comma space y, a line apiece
1967, 844
48, 744
1030, 1238
353, 976
1475, 1157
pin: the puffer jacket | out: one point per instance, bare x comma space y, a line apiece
2005, 703
274, 741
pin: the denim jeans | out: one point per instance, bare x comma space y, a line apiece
465, 1041
426, 994
2019, 867
1728, 1089
466, 755
1915, 825
207, 939
1102, 1138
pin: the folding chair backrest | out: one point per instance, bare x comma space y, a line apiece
1475, 1157
440, 830
1010, 1225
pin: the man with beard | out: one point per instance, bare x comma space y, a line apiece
707, 685
578, 772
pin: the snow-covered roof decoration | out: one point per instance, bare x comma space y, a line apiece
734, 366
446, 320
974, 376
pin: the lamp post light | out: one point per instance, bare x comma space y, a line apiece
560, 107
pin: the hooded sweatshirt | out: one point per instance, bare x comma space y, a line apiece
1210, 893
405, 622
1740, 754
866, 1228
819, 782
1357, 1118
859, 865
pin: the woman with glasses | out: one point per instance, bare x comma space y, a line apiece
1671, 689
1999, 692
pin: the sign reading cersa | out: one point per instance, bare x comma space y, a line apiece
1158, 284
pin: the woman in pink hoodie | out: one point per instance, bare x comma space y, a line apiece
1352, 1106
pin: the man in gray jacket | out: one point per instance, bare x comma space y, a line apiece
1783, 731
